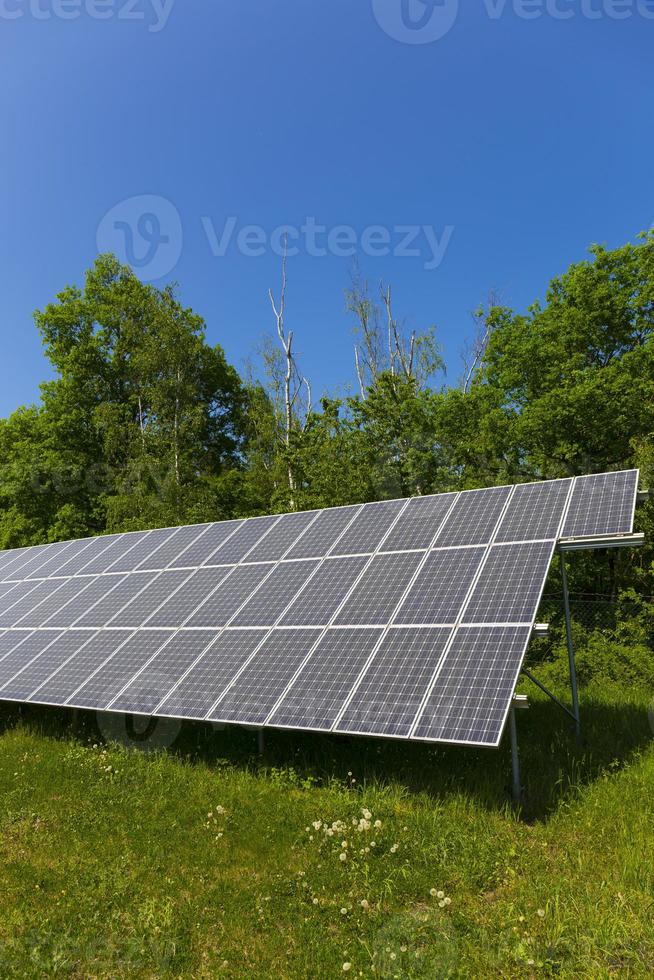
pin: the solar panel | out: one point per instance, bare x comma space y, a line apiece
511, 584
322, 595
254, 693
273, 596
326, 530
535, 511
32, 594
174, 546
389, 695
602, 504
200, 549
280, 537
441, 586
147, 547
149, 687
472, 692
23, 651
95, 547
118, 548
227, 599
316, 696
473, 517
34, 673
198, 688
146, 603
379, 590
126, 589
369, 527
93, 651
419, 523
119, 667
402, 619
183, 602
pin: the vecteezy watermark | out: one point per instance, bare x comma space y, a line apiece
144, 232
426, 21
416, 21
341, 241
153, 13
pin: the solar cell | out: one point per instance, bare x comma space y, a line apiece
511, 584
535, 511
474, 517
419, 523
271, 599
325, 592
441, 586
152, 684
280, 538
103, 686
474, 687
255, 691
316, 696
391, 691
33, 674
367, 530
221, 605
381, 587
199, 688
602, 504
65, 680
323, 534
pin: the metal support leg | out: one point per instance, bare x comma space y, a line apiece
571, 652
515, 760
261, 741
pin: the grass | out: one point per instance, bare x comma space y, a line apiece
122, 864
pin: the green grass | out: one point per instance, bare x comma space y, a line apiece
111, 866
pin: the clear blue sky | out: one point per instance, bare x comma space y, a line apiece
530, 138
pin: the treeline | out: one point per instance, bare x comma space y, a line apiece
146, 424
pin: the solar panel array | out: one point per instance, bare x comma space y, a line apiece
400, 619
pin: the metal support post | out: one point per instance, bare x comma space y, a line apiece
261, 741
515, 760
571, 652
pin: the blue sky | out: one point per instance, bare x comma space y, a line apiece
514, 140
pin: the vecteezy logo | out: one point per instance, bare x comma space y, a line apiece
416, 21
145, 232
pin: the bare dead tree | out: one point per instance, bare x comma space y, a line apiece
295, 411
474, 351
383, 343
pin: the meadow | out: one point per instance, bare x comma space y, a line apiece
330, 856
